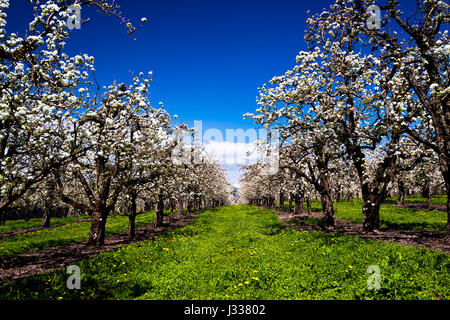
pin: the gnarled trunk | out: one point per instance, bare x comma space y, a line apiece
160, 212
298, 209
98, 228
371, 216
180, 206
46, 218
401, 192
26, 217
281, 200
328, 210
448, 212
426, 193
446, 174
308, 205
132, 216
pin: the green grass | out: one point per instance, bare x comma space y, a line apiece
396, 218
15, 225
440, 199
65, 234
391, 217
242, 252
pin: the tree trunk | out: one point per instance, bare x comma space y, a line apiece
299, 205
290, 204
281, 199
401, 192
308, 205
446, 175
272, 202
180, 206
132, 216
338, 196
2, 215
147, 206
27, 214
172, 209
132, 225
46, 217
160, 212
371, 214
97, 230
426, 193
448, 212
328, 210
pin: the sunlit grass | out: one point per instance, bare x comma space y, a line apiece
242, 252
391, 217
14, 225
65, 234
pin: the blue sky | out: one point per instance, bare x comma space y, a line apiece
208, 57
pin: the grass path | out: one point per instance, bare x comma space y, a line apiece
242, 252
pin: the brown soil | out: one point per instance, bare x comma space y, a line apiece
425, 238
26, 264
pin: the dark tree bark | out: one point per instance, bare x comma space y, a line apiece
49, 200
401, 192
323, 185
308, 205
338, 196
328, 210
172, 209
299, 200
180, 206
46, 217
281, 199
290, 204
26, 211
426, 193
160, 212
371, 214
132, 215
98, 228
446, 175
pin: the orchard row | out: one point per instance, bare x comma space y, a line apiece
364, 113
66, 141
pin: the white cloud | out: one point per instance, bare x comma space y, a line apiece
232, 156
229, 153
